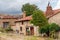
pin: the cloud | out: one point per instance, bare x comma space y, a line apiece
14, 6
58, 5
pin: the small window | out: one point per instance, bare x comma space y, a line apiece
5, 24
20, 28
22, 23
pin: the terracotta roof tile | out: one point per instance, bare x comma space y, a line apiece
30, 17
54, 13
6, 17
26, 18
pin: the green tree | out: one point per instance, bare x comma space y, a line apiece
54, 27
39, 19
29, 8
49, 29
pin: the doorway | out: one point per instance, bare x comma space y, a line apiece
31, 30
27, 31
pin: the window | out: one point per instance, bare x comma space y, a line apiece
22, 23
5, 24
0, 17
27, 29
20, 28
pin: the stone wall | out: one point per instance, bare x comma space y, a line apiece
24, 25
55, 19
11, 21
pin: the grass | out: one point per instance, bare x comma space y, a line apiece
9, 35
23, 37
37, 38
50, 39
31, 38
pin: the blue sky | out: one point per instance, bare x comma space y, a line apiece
14, 6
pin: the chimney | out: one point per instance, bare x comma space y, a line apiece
24, 14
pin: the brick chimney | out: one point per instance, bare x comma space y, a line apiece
24, 14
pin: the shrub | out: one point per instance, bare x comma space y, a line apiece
49, 28
8, 29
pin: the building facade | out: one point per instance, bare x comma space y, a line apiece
24, 26
53, 15
7, 20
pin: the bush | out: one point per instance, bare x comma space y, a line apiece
49, 28
8, 29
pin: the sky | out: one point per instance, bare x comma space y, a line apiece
14, 6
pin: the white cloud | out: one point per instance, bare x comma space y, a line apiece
6, 4
58, 5
15, 5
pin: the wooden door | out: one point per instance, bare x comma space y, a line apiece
32, 30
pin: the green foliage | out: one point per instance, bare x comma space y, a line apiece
49, 29
44, 29
39, 19
54, 27
8, 29
29, 8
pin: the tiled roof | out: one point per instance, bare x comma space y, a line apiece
30, 17
54, 13
25, 19
10, 16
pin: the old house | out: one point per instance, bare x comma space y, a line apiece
52, 15
24, 25
7, 20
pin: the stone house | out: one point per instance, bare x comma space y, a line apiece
7, 20
53, 16
23, 24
